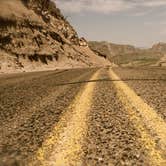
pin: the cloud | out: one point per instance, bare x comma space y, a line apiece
99, 6
141, 13
159, 23
106, 6
153, 3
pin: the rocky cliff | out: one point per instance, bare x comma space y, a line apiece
34, 35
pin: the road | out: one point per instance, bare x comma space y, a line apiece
84, 117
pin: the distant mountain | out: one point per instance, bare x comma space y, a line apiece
109, 50
128, 55
159, 47
34, 35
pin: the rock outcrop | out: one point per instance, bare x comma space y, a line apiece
34, 35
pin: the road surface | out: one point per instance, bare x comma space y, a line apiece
84, 117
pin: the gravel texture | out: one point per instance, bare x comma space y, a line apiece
30, 108
114, 137
31, 104
149, 83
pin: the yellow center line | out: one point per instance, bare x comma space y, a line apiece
143, 115
64, 145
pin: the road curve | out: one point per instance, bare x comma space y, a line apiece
81, 117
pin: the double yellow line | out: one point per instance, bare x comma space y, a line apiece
148, 123
64, 146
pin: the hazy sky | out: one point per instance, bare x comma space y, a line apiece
138, 22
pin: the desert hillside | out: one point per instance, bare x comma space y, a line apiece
128, 55
160, 47
34, 35
110, 50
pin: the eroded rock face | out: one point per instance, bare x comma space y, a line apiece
34, 33
52, 15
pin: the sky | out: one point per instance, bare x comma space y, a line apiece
137, 22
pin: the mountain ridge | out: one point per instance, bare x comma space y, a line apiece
128, 55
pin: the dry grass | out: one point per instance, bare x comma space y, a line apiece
142, 58
15, 10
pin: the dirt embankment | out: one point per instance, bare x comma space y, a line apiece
34, 35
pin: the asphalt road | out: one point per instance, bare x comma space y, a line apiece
84, 117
